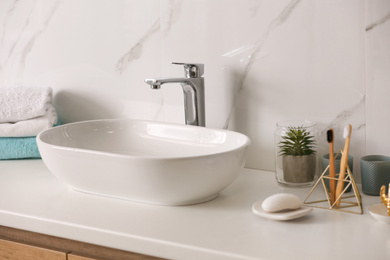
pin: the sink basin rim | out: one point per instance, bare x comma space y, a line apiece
245, 140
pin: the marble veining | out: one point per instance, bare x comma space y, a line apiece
174, 10
136, 51
28, 35
382, 20
351, 115
280, 19
344, 116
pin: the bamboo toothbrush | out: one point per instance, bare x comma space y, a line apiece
343, 163
332, 171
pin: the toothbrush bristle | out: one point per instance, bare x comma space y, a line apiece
346, 132
329, 135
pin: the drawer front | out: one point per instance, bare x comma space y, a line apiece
10, 250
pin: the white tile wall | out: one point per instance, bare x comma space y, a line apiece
265, 61
377, 33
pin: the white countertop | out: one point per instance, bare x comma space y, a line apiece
225, 228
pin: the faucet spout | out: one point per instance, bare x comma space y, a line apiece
153, 83
193, 91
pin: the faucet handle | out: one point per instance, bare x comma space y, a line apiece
192, 70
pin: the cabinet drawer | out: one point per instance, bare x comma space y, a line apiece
77, 257
10, 250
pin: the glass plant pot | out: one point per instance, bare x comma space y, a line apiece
295, 153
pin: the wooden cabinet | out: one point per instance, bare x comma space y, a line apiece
16, 244
77, 257
10, 250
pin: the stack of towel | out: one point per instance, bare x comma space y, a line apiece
24, 112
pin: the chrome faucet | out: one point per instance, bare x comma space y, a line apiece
193, 90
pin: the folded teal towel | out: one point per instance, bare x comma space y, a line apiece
18, 148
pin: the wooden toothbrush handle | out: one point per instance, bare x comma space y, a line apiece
332, 174
343, 167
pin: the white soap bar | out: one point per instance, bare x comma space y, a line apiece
281, 201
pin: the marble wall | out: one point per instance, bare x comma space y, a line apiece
327, 61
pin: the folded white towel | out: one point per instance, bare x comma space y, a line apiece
30, 127
22, 103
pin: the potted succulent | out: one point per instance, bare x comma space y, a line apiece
297, 148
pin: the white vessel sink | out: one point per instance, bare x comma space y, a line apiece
149, 162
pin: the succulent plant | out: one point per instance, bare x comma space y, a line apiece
297, 142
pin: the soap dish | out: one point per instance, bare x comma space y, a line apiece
379, 212
280, 215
